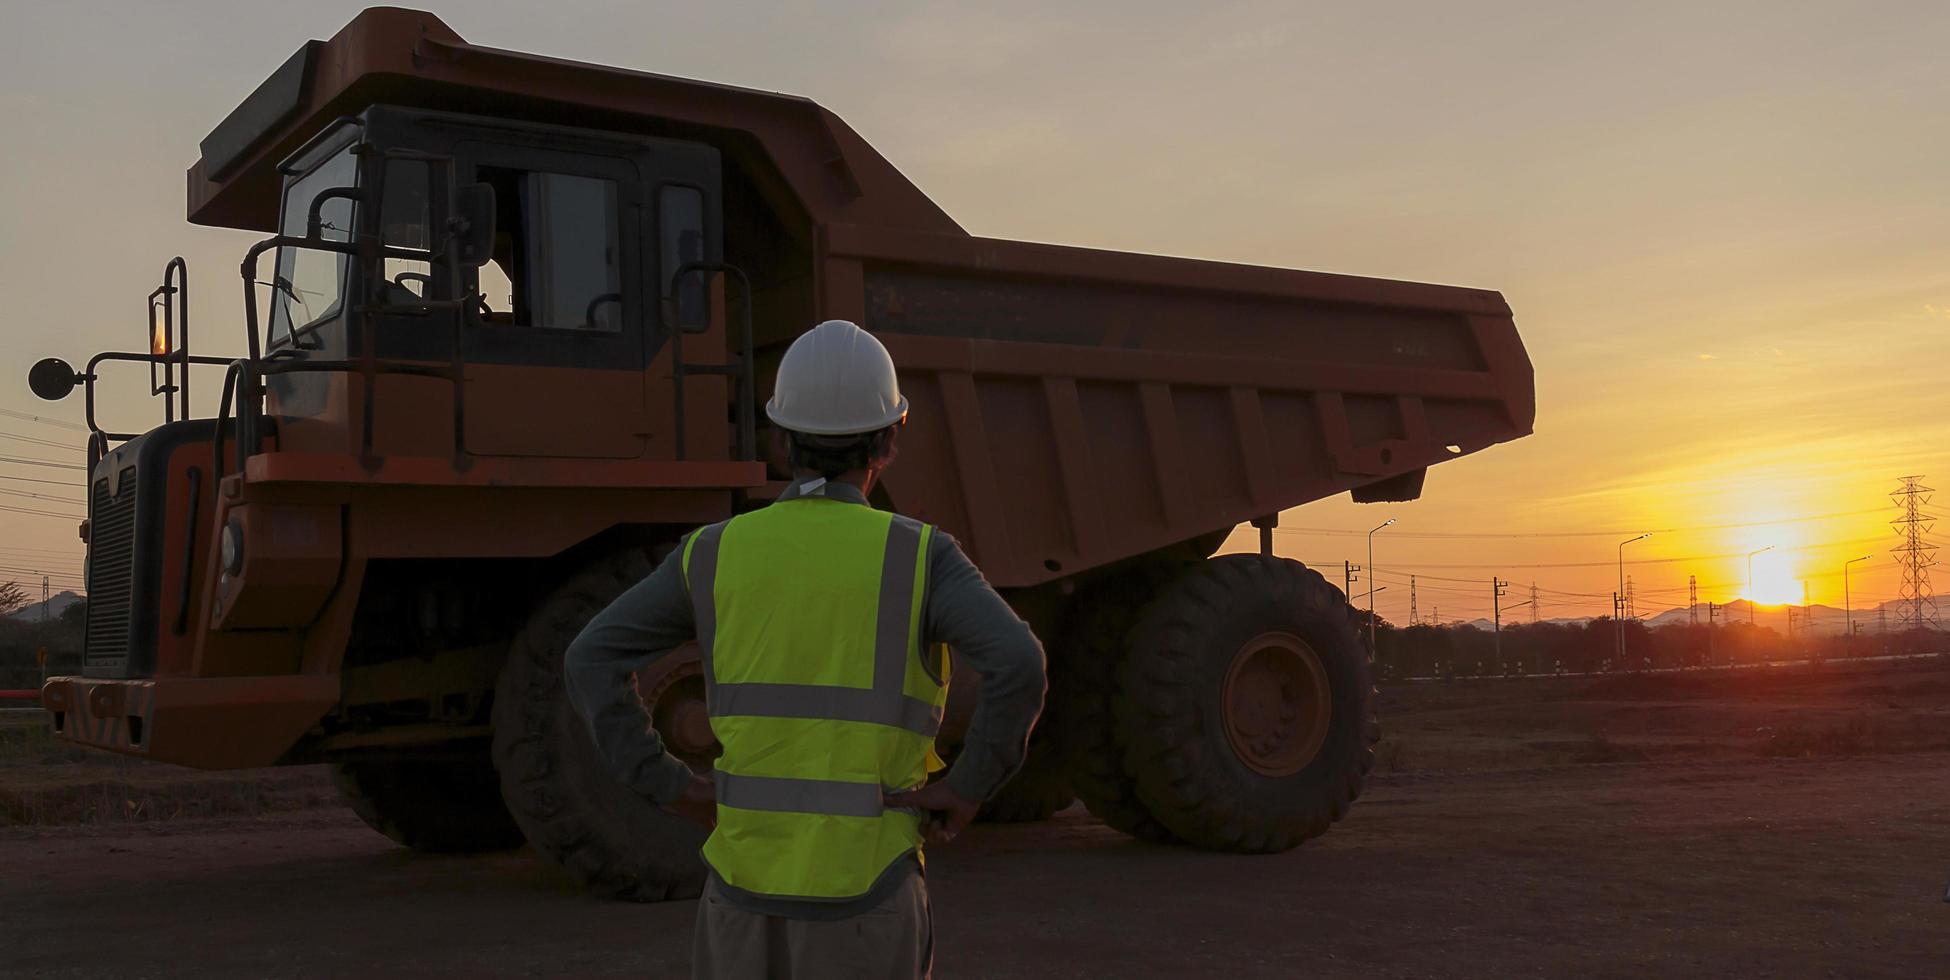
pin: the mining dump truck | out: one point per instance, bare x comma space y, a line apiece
504, 345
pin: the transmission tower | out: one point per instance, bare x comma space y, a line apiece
1414, 619
1533, 603
1631, 602
1692, 599
1915, 603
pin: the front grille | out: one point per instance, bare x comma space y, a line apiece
111, 573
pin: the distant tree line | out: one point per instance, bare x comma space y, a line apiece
24, 641
1591, 647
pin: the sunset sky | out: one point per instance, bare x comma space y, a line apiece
1725, 232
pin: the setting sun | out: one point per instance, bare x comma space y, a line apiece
1774, 581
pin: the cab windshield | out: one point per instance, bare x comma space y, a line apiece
309, 284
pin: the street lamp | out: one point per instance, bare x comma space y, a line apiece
1371, 592
1750, 582
1618, 604
1848, 609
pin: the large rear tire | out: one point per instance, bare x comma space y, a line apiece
565, 799
1246, 708
438, 806
1041, 787
1085, 685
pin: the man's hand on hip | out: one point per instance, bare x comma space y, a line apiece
699, 801
948, 811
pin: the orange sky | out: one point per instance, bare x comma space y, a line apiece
1723, 231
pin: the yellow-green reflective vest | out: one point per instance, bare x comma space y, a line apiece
809, 621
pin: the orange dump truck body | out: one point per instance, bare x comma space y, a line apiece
1072, 408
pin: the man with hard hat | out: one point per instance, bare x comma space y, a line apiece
823, 625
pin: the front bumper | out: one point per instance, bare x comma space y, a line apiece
206, 722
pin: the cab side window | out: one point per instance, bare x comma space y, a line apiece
557, 260
406, 223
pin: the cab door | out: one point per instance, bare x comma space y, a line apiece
555, 354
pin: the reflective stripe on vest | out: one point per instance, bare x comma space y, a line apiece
815, 726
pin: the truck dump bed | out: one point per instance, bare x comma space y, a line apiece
1075, 407
1072, 407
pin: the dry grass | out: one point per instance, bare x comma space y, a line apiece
46, 782
140, 800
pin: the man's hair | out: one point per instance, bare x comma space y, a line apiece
829, 456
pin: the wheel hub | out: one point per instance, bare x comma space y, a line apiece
672, 690
1277, 704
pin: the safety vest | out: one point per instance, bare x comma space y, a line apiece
809, 623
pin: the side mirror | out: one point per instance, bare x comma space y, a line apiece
52, 379
472, 224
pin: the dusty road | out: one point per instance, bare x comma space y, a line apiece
1792, 868
1787, 823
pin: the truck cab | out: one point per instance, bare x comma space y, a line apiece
573, 297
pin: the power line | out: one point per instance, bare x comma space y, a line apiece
31, 479
23, 549
1580, 534
36, 441
25, 461
42, 496
1635, 561
39, 513
44, 420
64, 574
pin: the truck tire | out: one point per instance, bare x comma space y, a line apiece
436, 806
1041, 787
1247, 705
573, 810
1084, 672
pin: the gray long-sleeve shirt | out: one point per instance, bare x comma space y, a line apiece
959, 609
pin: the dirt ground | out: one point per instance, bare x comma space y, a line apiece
1784, 823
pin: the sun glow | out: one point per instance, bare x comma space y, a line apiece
1774, 582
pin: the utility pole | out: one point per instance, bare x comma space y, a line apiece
1692, 600
1848, 607
1371, 592
1618, 628
44, 600
1916, 603
1618, 598
1807, 613
1348, 569
1413, 618
1712, 630
1496, 621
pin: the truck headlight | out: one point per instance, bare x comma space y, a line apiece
231, 549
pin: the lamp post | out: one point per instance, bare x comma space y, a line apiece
1848, 608
1618, 603
1750, 582
1371, 592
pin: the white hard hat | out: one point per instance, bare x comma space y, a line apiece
836, 380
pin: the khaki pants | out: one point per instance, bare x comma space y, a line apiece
891, 941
